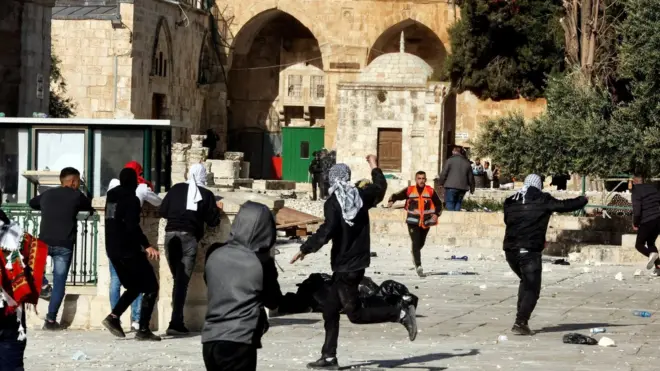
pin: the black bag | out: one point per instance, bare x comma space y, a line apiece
574, 338
393, 293
313, 291
368, 288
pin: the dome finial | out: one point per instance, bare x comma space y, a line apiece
402, 42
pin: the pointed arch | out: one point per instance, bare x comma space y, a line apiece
210, 69
162, 56
420, 40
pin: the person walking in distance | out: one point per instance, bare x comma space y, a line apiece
144, 193
242, 279
526, 216
316, 170
187, 207
346, 223
59, 226
125, 241
646, 220
457, 178
423, 207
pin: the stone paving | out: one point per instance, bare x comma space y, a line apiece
460, 320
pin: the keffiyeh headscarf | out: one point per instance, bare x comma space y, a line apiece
196, 178
346, 193
532, 180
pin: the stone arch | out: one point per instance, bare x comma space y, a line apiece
210, 68
420, 40
162, 62
253, 19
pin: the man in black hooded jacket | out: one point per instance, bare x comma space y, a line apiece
242, 279
646, 220
124, 242
346, 223
526, 215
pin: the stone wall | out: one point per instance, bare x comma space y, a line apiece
25, 56
112, 72
471, 112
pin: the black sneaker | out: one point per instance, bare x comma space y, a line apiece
324, 363
177, 330
409, 321
146, 335
521, 329
46, 292
114, 326
52, 326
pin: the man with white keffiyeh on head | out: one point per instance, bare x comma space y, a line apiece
346, 223
187, 208
526, 215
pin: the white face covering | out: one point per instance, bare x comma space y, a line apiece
196, 178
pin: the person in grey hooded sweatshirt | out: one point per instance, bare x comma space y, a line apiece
241, 277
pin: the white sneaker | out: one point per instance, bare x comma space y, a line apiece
135, 326
420, 271
652, 258
656, 272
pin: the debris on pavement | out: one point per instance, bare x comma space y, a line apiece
79, 356
575, 338
642, 313
561, 262
502, 338
637, 273
619, 276
606, 342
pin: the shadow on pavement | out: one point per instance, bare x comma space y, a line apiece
280, 321
565, 327
402, 363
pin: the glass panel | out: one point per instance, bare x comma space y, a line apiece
9, 174
304, 149
118, 148
294, 89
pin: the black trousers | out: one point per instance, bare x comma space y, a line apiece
418, 237
646, 236
528, 267
137, 275
317, 182
344, 294
229, 356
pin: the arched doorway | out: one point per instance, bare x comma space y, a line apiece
418, 40
276, 79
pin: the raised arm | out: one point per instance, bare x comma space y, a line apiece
564, 206
374, 193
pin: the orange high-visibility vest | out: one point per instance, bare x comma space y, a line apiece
420, 207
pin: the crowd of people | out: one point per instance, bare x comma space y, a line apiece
241, 276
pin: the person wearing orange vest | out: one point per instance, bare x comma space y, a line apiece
423, 208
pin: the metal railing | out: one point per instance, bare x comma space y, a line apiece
83, 271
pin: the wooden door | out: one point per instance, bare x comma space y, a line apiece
389, 149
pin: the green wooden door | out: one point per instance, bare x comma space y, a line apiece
298, 144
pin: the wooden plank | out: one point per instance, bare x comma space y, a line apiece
288, 217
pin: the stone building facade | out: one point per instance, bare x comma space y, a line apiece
24, 56
147, 59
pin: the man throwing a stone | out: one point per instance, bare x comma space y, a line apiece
347, 224
526, 215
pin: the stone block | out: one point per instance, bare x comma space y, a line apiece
234, 156
244, 172
628, 240
226, 168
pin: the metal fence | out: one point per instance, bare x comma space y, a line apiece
603, 205
83, 270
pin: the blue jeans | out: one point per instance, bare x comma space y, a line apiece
11, 355
454, 198
61, 263
115, 288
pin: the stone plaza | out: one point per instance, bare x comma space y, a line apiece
460, 319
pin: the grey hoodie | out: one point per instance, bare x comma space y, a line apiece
242, 278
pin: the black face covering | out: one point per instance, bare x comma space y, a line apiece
128, 179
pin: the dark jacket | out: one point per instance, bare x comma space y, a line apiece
123, 235
646, 203
527, 223
457, 174
315, 167
242, 278
59, 211
350, 244
180, 219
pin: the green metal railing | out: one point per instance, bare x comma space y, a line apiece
84, 268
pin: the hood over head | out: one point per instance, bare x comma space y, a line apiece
128, 179
139, 171
253, 228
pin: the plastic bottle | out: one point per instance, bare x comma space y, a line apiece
597, 330
642, 313
454, 257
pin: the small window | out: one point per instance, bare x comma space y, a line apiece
304, 149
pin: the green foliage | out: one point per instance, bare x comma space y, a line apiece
59, 105
505, 49
482, 205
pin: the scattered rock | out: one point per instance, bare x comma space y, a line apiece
637, 273
586, 270
619, 276
574, 256
606, 342
483, 287
502, 338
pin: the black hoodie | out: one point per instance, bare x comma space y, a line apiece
527, 223
242, 278
123, 235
